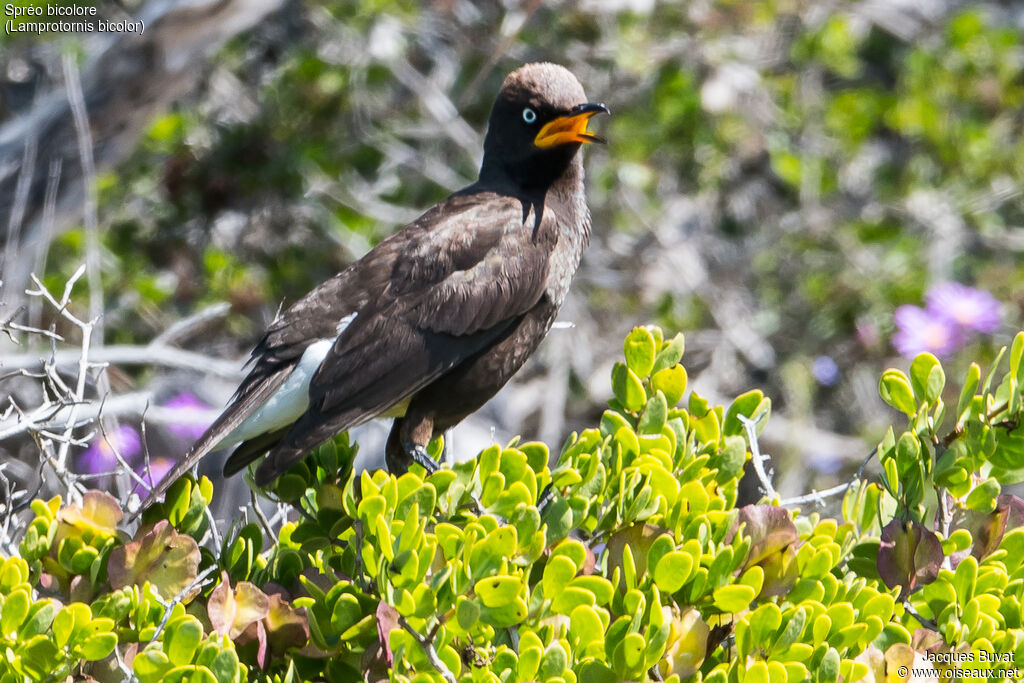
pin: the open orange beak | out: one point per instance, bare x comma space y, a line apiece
571, 128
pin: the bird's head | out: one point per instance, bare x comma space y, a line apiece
537, 125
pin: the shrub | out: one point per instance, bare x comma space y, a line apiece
637, 565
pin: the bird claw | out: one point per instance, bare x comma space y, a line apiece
418, 454
547, 497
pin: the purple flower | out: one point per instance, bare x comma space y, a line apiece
99, 458
158, 469
194, 416
826, 463
972, 309
918, 331
825, 371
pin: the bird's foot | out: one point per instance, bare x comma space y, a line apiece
547, 497
418, 454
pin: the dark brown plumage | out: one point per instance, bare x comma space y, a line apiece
435, 319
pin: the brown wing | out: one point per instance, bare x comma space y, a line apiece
313, 317
310, 319
397, 292
455, 287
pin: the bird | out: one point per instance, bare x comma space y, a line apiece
437, 317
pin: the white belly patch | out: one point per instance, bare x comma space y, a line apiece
290, 401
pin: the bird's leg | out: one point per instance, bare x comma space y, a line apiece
418, 454
407, 444
547, 497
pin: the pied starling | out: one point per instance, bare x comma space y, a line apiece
434, 320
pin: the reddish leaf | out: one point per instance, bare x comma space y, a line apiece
80, 589
165, 558
780, 572
271, 588
935, 648
387, 621
374, 665
987, 529
233, 611
48, 582
909, 555
252, 644
588, 564
769, 528
1014, 507
639, 538
287, 626
128, 656
927, 640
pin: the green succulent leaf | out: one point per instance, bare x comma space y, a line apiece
628, 388
927, 378
896, 391
639, 349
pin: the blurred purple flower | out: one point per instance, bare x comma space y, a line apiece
973, 309
918, 331
158, 468
825, 371
868, 333
826, 463
192, 411
99, 458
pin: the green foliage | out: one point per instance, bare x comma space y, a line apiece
185, 654
41, 637
640, 566
959, 575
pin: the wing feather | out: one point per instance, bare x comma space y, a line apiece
457, 289
426, 298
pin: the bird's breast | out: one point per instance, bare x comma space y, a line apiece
572, 222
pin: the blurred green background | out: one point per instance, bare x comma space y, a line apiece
781, 177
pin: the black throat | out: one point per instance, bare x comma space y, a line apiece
531, 178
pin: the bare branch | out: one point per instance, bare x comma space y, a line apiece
28, 165
168, 606
927, 623
815, 496
428, 649
56, 416
756, 457
62, 305
126, 467
264, 522
186, 327
73, 85
153, 354
215, 533
32, 330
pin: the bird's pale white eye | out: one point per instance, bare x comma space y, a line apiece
529, 115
